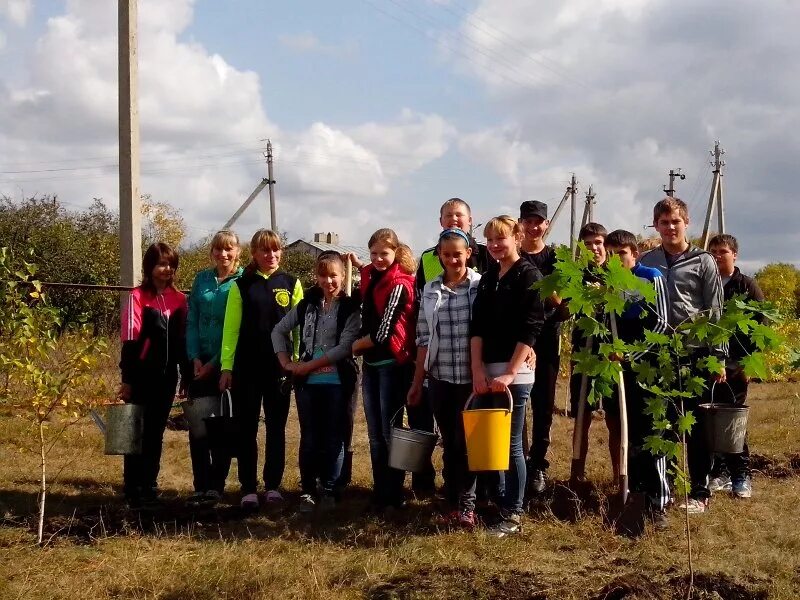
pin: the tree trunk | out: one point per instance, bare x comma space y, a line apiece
43, 491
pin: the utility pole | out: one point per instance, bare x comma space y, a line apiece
262, 184
130, 213
572, 190
556, 213
273, 221
715, 198
588, 208
673, 173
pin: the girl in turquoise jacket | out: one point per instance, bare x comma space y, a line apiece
207, 303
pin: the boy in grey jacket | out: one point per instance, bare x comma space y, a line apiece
694, 288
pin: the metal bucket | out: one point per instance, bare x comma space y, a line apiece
124, 425
196, 411
725, 425
411, 449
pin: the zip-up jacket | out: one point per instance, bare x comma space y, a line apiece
304, 316
429, 314
207, 303
741, 285
430, 267
255, 305
153, 334
507, 311
387, 313
693, 285
632, 325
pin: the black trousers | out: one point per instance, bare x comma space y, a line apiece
543, 397
250, 394
421, 417
201, 454
155, 393
447, 400
699, 457
737, 466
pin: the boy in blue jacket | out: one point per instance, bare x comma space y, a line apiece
647, 473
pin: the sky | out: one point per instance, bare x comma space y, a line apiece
379, 110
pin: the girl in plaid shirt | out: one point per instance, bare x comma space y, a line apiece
443, 356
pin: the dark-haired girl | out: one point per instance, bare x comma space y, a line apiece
153, 332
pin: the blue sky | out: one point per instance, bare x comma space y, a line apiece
381, 109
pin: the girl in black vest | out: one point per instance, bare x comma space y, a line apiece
261, 297
324, 377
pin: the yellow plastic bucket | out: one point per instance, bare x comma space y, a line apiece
488, 435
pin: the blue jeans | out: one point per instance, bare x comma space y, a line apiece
384, 389
515, 477
322, 413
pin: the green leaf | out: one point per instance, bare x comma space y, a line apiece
754, 366
711, 364
685, 422
653, 338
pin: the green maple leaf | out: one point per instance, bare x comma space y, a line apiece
685, 422
695, 386
645, 372
656, 408
653, 338
711, 364
754, 366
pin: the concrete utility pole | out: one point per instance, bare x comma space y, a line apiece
715, 198
273, 221
673, 173
588, 208
556, 213
262, 184
572, 190
130, 212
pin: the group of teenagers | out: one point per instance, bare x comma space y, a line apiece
464, 321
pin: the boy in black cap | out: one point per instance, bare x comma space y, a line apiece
533, 218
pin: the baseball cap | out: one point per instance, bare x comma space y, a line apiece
533, 208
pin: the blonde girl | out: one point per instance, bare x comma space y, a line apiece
207, 303
260, 298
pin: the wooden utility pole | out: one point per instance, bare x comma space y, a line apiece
572, 189
130, 212
715, 198
673, 173
273, 221
556, 213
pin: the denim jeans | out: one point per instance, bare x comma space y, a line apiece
384, 389
321, 410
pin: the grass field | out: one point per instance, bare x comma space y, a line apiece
743, 549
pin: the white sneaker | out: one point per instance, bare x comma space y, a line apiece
721, 483
696, 506
307, 504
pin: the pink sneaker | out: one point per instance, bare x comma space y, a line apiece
249, 502
467, 519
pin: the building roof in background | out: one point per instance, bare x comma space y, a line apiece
360, 251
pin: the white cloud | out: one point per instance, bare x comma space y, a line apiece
16, 11
307, 42
623, 90
201, 121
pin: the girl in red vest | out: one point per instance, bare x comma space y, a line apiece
388, 327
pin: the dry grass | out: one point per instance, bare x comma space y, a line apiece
744, 549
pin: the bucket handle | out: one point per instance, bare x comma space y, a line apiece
473, 395
726, 384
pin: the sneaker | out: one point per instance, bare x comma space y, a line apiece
742, 487
211, 498
273, 497
448, 519
195, 500
510, 524
659, 518
696, 506
537, 481
249, 502
720, 483
467, 519
307, 504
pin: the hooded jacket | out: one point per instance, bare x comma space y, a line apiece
387, 314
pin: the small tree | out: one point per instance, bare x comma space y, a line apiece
45, 368
664, 371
